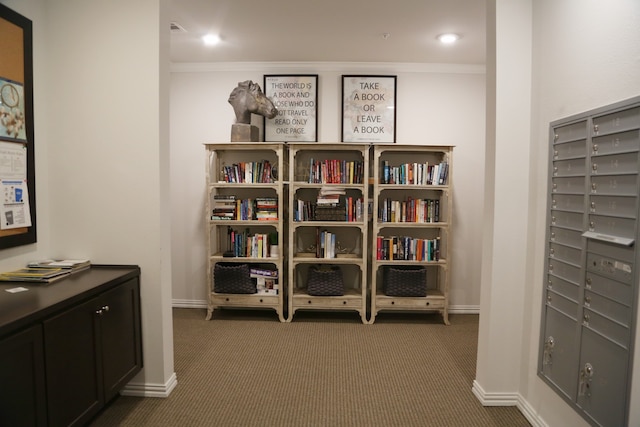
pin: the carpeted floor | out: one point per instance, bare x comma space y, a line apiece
244, 368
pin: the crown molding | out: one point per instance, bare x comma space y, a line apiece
314, 67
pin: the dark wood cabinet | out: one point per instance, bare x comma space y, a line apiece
85, 347
22, 386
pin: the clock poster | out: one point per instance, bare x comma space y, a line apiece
12, 115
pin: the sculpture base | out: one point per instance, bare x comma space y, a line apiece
242, 132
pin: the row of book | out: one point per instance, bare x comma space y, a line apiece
410, 210
244, 244
46, 271
407, 248
415, 173
349, 209
266, 280
230, 208
248, 172
335, 171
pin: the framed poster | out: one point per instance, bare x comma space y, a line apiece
368, 108
17, 164
296, 98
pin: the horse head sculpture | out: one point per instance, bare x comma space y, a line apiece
248, 98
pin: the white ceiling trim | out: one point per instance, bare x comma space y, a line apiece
311, 67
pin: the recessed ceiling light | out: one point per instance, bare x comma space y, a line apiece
211, 39
448, 38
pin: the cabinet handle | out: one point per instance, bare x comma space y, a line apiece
595, 148
595, 128
102, 310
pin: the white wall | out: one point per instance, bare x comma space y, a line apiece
436, 105
101, 108
585, 54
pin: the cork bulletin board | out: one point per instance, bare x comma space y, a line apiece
17, 165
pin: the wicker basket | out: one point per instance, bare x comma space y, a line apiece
325, 281
405, 281
231, 278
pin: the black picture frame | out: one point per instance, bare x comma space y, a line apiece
16, 69
296, 98
369, 108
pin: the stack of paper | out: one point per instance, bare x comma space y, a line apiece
70, 265
41, 275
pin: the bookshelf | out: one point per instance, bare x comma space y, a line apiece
411, 227
244, 219
328, 224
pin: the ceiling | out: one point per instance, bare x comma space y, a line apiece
329, 31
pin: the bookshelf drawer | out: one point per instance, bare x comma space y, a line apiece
336, 302
427, 303
252, 300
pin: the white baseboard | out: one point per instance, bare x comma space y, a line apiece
453, 309
508, 399
186, 303
150, 390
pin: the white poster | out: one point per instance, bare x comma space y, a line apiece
14, 212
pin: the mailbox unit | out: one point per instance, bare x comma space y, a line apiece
591, 263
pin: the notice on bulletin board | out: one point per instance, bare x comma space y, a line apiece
15, 212
14, 209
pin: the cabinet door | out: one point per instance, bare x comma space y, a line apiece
559, 359
22, 387
120, 344
74, 388
603, 379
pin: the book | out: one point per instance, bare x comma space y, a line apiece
39, 274
67, 264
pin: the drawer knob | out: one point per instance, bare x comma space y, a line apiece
587, 300
595, 148
594, 167
595, 128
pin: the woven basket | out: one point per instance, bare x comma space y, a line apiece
405, 281
230, 278
325, 281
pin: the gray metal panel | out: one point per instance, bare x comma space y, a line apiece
609, 267
612, 164
568, 202
562, 304
570, 167
564, 288
564, 271
566, 237
560, 357
619, 206
620, 253
565, 253
617, 291
570, 150
570, 132
606, 327
609, 308
616, 185
568, 220
567, 185
616, 143
622, 227
617, 122
605, 398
